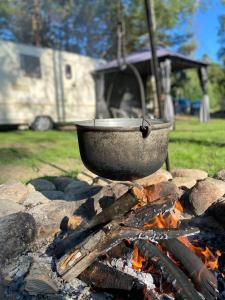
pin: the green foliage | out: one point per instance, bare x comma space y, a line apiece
89, 26
186, 84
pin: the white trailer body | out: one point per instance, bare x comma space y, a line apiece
44, 82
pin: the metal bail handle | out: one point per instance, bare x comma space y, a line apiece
145, 129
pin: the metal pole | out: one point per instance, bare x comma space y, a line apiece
155, 65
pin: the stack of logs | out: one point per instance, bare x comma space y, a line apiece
79, 253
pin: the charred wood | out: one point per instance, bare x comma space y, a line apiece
17, 231
115, 211
204, 280
173, 275
71, 265
103, 276
147, 213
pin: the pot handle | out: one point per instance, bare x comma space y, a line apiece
145, 129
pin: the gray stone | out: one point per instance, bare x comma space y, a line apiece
220, 175
204, 193
193, 173
38, 282
49, 216
184, 182
155, 178
8, 207
42, 184
62, 182
53, 195
35, 198
78, 190
15, 192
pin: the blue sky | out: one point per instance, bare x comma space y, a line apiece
205, 27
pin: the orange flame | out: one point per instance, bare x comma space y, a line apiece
162, 222
137, 260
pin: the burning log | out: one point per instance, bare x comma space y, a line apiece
147, 213
205, 281
81, 257
17, 231
103, 276
173, 275
115, 211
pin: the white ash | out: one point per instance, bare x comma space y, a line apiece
125, 265
79, 290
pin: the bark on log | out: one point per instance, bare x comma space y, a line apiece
114, 211
184, 288
17, 231
204, 280
145, 214
103, 276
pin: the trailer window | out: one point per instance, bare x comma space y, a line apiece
30, 65
68, 71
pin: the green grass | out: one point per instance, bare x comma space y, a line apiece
30, 148
192, 145
195, 145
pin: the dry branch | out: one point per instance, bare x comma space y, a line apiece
115, 211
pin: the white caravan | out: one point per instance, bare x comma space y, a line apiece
41, 86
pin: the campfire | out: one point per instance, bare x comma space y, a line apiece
138, 244
130, 240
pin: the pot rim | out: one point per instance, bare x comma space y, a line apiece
121, 124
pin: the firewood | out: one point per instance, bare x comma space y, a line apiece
204, 280
115, 211
184, 288
17, 231
82, 256
145, 215
103, 276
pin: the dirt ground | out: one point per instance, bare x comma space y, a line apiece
9, 173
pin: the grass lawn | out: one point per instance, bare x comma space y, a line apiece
195, 145
192, 145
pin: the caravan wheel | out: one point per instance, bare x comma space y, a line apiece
42, 123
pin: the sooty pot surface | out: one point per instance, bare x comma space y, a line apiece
123, 149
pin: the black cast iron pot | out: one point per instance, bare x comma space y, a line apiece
123, 149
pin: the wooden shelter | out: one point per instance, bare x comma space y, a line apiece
117, 90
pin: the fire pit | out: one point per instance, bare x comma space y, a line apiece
123, 149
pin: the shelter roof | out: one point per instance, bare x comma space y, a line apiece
179, 61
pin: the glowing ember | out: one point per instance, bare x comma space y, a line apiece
178, 206
137, 260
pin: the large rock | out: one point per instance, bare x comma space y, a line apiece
204, 193
184, 182
193, 173
62, 182
53, 195
8, 207
220, 175
15, 192
49, 216
35, 198
17, 232
78, 190
218, 210
155, 178
40, 184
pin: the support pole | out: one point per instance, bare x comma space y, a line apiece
155, 65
